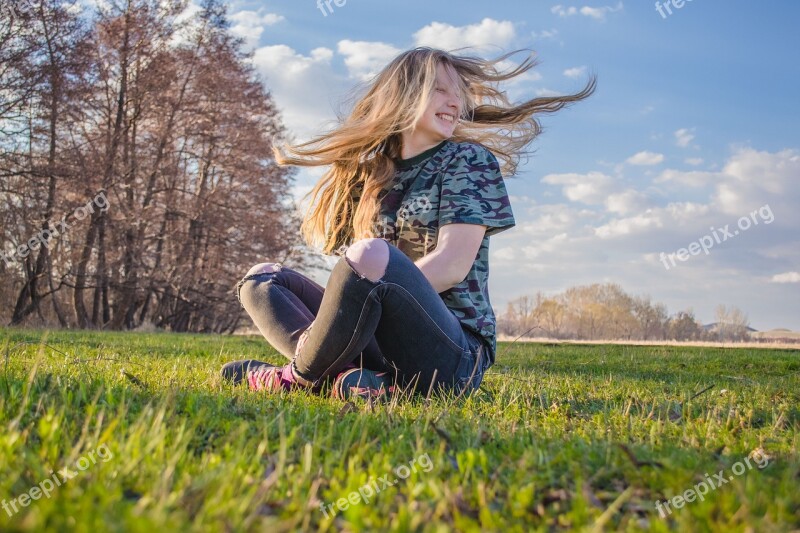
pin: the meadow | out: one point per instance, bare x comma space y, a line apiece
137, 432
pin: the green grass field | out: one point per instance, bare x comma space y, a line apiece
142, 436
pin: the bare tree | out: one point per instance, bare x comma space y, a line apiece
56, 39
520, 316
598, 311
683, 326
169, 122
732, 324
551, 313
652, 318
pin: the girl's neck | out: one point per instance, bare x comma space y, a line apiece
412, 147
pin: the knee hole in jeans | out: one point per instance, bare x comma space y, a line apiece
264, 268
254, 272
368, 258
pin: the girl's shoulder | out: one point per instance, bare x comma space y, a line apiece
470, 154
471, 151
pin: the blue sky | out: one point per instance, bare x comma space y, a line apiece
692, 127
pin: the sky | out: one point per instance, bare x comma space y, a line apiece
689, 142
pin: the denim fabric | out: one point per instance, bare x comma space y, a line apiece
397, 324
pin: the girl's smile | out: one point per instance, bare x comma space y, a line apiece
440, 117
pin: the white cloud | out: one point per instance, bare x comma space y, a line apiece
545, 34
626, 202
752, 178
364, 59
185, 22
749, 179
591, 188
487, 34
547, 92
645, 158
786, 277
684, 211
626, 226
562, 11
694, 161
550, 219
249, 25
545, 248
597, 13
693, 178
506, 254
575, 72
305, 88
684, 137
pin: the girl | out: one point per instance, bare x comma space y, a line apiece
413, 193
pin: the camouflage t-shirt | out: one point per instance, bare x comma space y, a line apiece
450, 183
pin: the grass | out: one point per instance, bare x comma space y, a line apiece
560, 437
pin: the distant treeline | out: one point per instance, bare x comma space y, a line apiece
606, 311
137, 181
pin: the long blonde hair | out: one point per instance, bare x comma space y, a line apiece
362, 149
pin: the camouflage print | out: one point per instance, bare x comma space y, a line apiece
450, 183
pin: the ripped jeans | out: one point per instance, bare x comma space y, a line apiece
397, 324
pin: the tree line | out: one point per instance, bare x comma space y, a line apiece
607, 312
160, 114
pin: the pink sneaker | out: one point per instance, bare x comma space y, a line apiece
275, 378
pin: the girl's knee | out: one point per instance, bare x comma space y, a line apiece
243, 288
369, 258
264, 268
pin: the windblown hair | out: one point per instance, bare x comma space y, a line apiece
362, 149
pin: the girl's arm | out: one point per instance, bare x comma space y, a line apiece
456, 249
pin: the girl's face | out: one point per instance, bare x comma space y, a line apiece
439, 120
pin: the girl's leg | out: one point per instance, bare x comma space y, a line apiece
283, 303
413, 327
